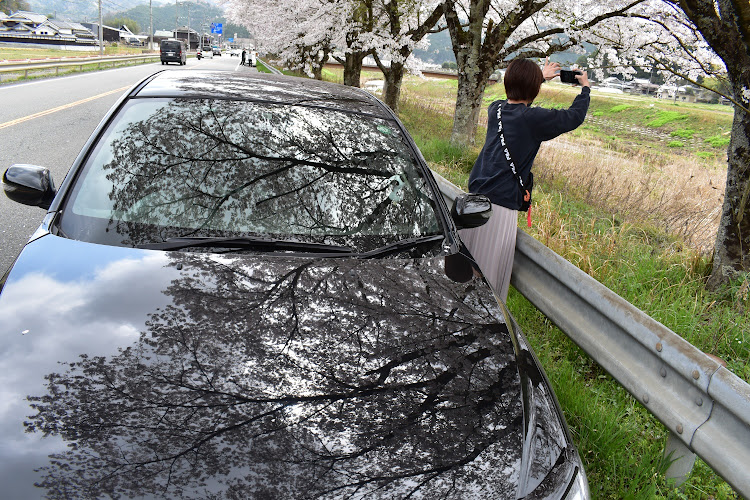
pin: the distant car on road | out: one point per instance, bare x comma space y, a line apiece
216, 50
235, 52
173, 51
205, 52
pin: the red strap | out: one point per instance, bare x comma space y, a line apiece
528, 217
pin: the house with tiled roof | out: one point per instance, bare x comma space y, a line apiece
24, 27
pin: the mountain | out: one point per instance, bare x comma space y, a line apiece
82, 10
88, 10
441, 50
167, 14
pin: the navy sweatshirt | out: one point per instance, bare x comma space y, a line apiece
524, 128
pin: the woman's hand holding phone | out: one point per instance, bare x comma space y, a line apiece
576, 77
550, 69
583, 79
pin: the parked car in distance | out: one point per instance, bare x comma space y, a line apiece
235, 52
173, 51
250, 286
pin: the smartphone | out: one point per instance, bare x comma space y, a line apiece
568, 76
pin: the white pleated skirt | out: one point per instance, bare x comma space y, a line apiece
493, 245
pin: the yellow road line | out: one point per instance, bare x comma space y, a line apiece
60, 108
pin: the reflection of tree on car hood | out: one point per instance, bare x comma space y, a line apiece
288, 381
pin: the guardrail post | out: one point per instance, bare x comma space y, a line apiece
681, 459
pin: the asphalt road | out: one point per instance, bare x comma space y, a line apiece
47, 122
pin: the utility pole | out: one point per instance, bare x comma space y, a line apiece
151, 27
101, 31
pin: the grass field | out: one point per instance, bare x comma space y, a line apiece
21, 54
639, 215
10, 55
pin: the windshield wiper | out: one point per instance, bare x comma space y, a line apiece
400, 246
245, 242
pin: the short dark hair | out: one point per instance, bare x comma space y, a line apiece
523, 78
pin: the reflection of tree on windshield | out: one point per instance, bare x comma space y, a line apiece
240, 167
288, 381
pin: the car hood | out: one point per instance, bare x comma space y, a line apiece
146, 373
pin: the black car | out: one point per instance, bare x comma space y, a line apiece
173, 51
250, 286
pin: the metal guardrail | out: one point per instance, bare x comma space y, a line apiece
705, 407
34, 66
270, 68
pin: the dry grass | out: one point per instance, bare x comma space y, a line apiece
677, 193
650, 182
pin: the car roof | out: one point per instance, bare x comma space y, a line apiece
250, 86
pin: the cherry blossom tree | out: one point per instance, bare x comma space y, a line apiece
360, 20
305, 34
399, 27
487, 34
688, 39
301, 33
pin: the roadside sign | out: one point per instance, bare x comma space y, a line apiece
217, 28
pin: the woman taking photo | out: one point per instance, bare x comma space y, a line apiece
502, 171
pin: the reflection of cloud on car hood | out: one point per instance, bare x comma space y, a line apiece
47, 317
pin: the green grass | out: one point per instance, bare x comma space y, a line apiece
665, 117
718, 141
685, 133
262, 68
627, 117
620, 442
620, 107
675, 144
20, 53
94, 65
430, 129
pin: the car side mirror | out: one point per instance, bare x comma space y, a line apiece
471, 210
30, 185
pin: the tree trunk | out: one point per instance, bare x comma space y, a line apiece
468, 106
476, 55
353, 68
393, 77
318, 62
732, 250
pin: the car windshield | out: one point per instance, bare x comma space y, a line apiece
168, 168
